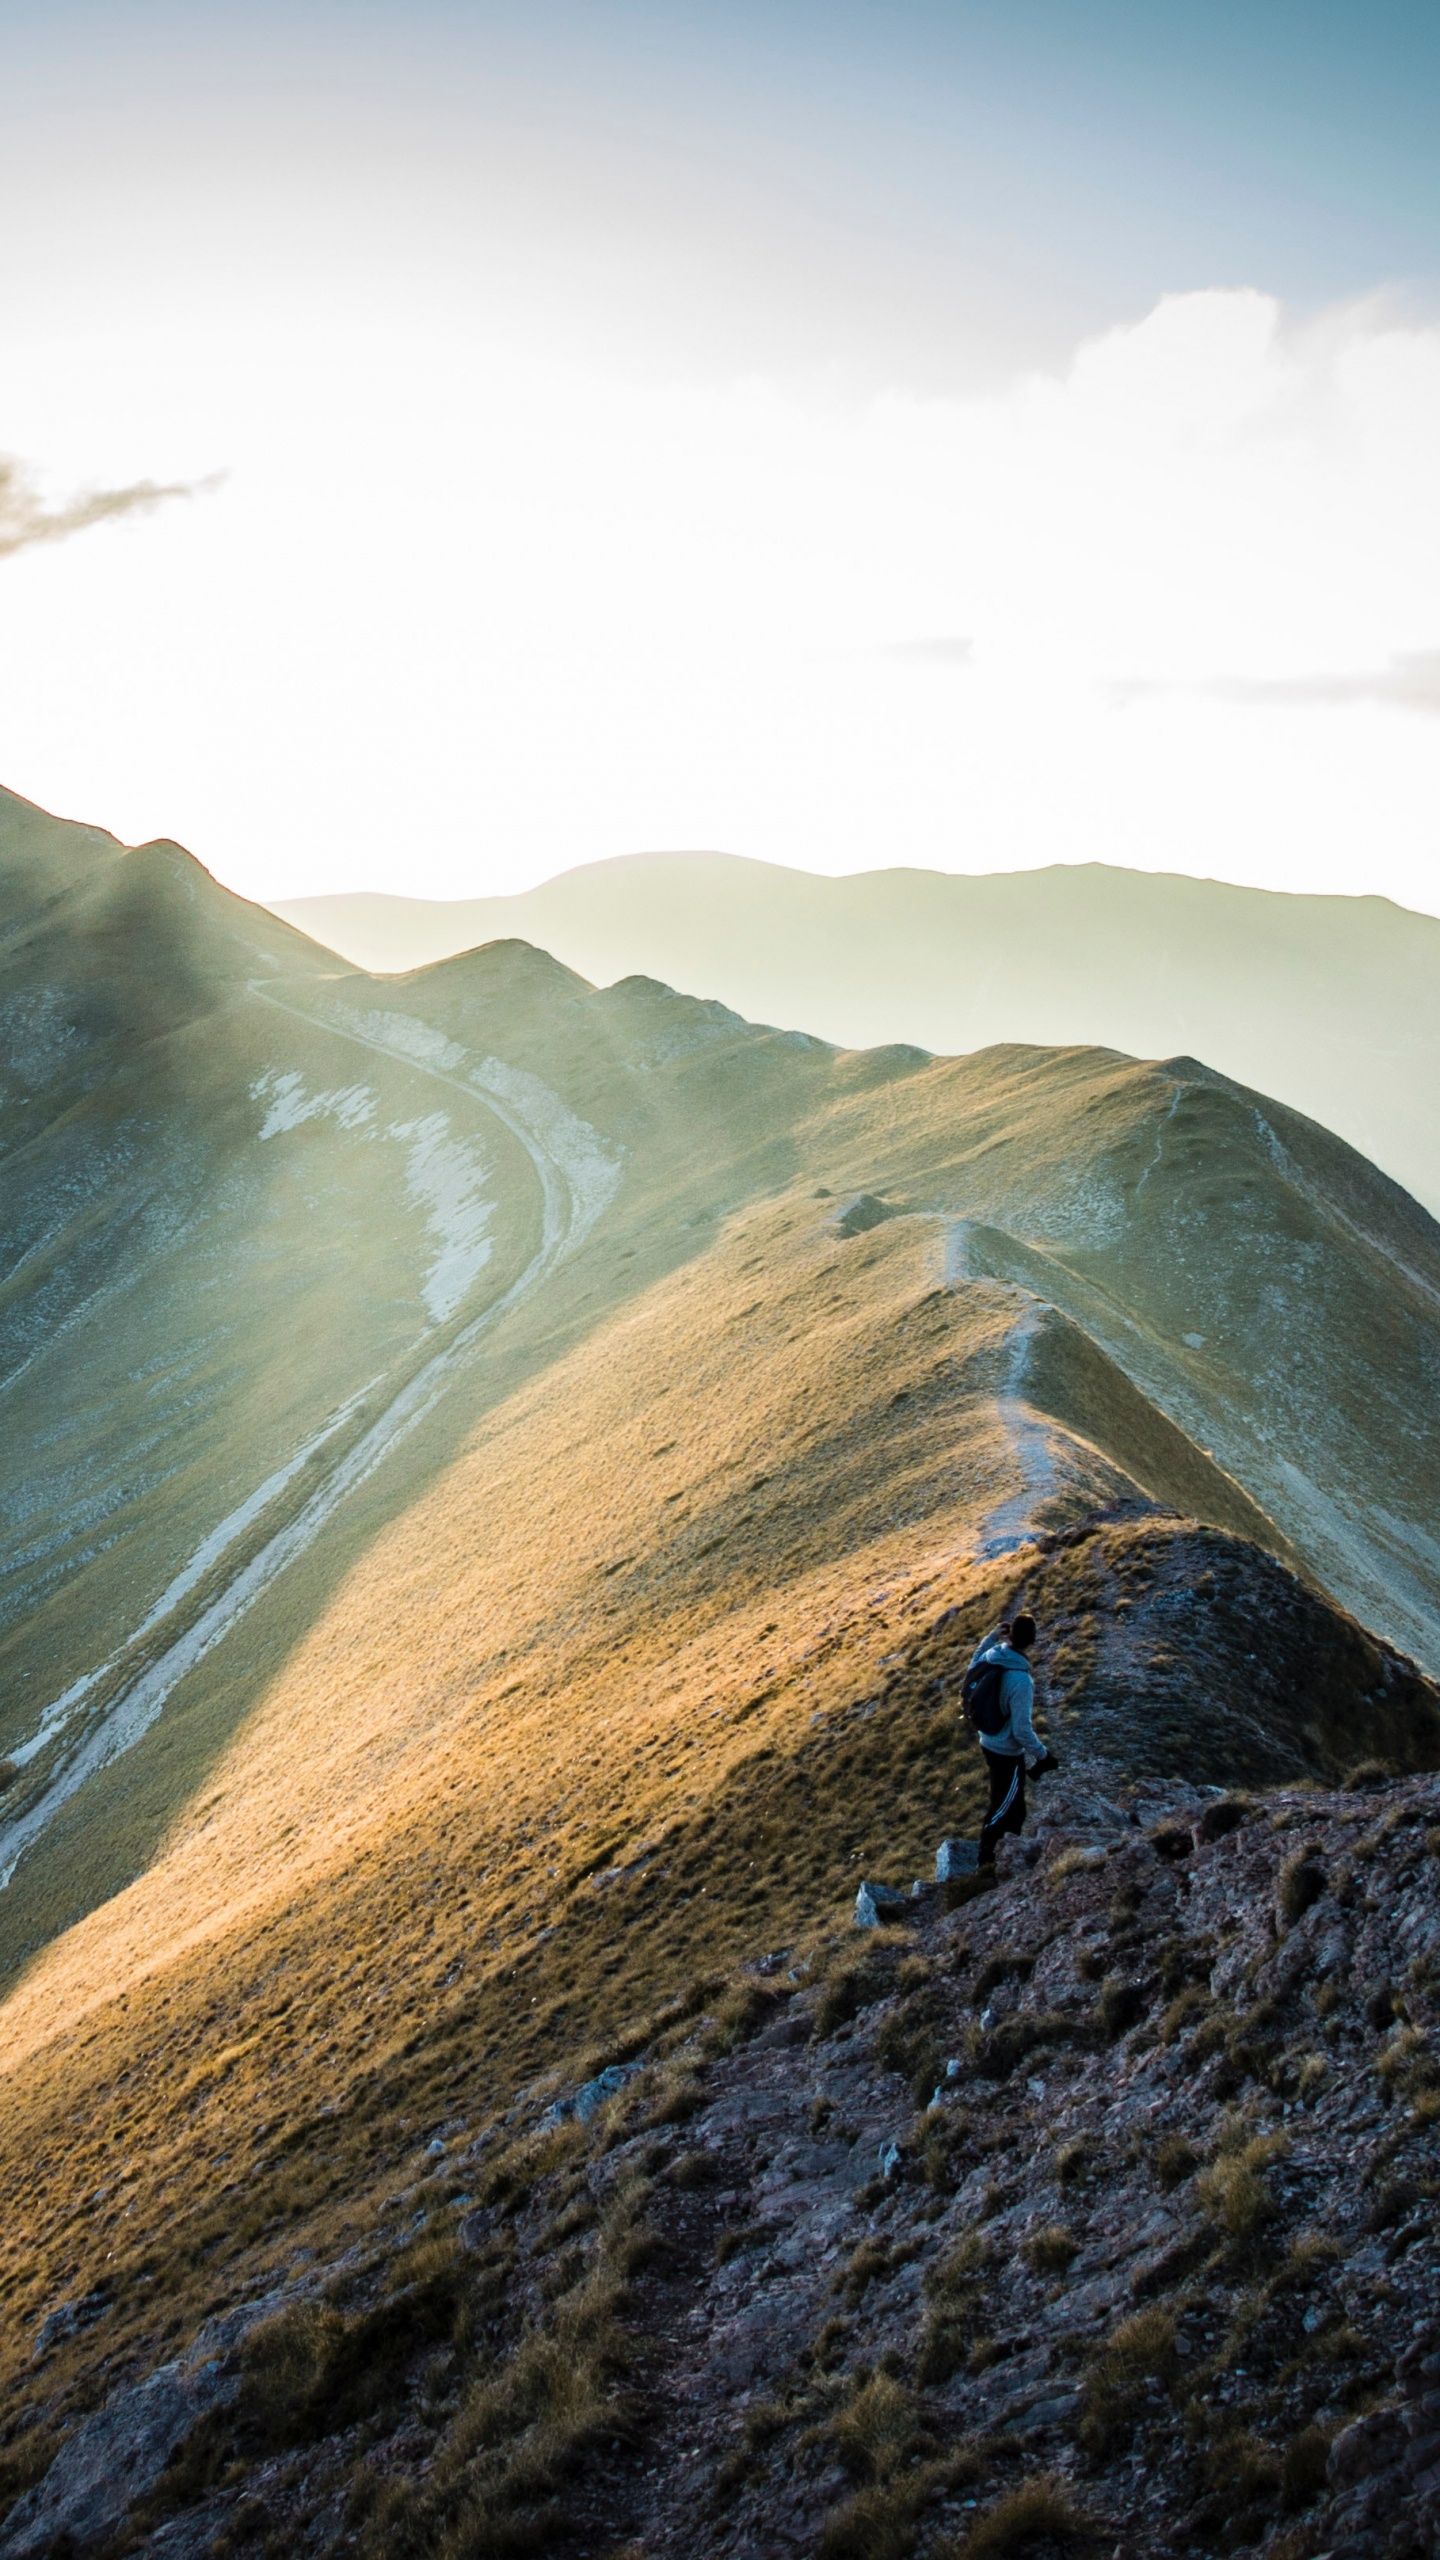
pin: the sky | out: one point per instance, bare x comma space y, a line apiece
442, 445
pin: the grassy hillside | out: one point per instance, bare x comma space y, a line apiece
283, 1239
638, 1688
1331, 1004
375, 1786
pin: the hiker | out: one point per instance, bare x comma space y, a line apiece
999, 1695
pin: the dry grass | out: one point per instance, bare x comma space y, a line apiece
1119, 2007
1040, 2512
1186, 2010
955, 2292
1175, 2160
1117, 2389
1072, 1862
1407, 2063
1233, 2189
1310, 2078
522, 2432
1048, 2252
1301, 1882
1303, 2467
881, 2438
879, 2427
1075, 2160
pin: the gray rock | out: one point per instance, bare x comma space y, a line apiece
590, 2097
878, 1903
864, 1212
475, 2229
955, 1858
68, 2318
1370, 2445
117, 2455
113, 2458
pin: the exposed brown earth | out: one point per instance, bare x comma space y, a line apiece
1166, 2234
1193, 2113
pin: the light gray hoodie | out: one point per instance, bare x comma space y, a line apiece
1017, 1738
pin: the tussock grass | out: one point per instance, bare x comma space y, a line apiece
1367, 1774
878, 2428
1311, 2075
1075, 2160
910, 2039
870, 2263
1233, 2189
1041, 2511
1116, 2389
1006, 1964
1300, 1883
1175, 2160
881, 2437
1407, 2063
522, 2432
858, 1979
1120, 2006
1302, 2467
1012, 2039
955, 2292
1073, 1861
1048, 2252
1184, 2011
693, 2169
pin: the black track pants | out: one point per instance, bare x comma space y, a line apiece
1007, 1801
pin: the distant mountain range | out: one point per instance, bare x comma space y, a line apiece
1331, 1004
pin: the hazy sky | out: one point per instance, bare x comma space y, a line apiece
964, 435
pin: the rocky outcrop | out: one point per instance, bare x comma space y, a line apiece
1119, 2177
1384, 2469
115, 2457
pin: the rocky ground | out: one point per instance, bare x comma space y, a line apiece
1096, 2208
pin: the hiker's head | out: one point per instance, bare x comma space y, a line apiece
1022, 1631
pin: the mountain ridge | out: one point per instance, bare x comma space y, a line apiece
503, 1478
1328, 1003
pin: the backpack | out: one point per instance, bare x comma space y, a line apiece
980, 1694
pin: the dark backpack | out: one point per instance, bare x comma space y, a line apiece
980, 1694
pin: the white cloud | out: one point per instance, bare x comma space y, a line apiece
26, 517
472, 608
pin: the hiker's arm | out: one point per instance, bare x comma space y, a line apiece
1020, 1699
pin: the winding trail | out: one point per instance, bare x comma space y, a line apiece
566, 1218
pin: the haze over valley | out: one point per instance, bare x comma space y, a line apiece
1332, 1004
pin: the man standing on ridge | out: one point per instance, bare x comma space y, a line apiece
1002, 1711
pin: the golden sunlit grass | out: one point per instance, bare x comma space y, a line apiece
634, 1693
658, 1730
